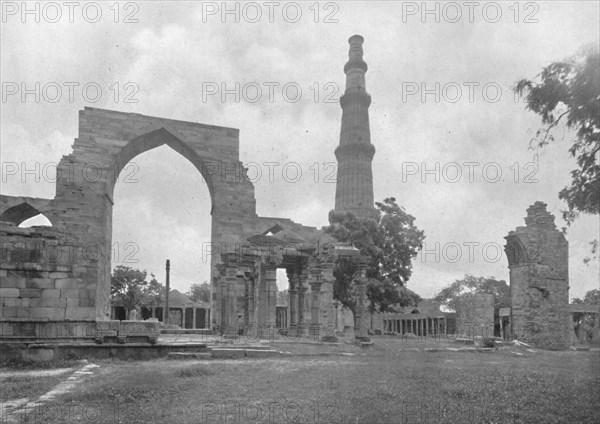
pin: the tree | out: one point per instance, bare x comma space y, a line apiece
592, 297
128, 287
391, 241
476, 285
154, 293
569, 92
199, 292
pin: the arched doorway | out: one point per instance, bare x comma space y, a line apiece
162, 211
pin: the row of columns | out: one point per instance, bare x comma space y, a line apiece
260, 296
417, 326
298, 288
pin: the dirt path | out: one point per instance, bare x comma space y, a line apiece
13, 411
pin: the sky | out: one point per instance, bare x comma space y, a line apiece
451, 139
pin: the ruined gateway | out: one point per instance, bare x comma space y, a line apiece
56, 280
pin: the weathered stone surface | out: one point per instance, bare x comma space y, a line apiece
538, 259
9, 292
475, 315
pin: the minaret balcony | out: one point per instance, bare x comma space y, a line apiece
355, 97
360, 64
355, 150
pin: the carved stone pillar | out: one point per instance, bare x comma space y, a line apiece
246, 304
229, 314
360, 330
302, 289
582, 329
328, 316
271, 295
596, 329
250, 307
293, 290
315, 291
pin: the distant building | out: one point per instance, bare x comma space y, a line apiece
182, 311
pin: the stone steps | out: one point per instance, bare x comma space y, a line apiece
189, 355
227, 353
202, 331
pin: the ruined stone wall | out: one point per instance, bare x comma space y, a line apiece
475, 315
538, 257
42, 275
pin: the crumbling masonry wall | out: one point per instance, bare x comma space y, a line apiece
475, 314
538, 259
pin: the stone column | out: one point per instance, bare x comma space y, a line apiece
302, 289
293, 290
247, 295
360, 329
336, 306
260, 300
315, 307
194, 316
582, 329
230, 312
327, 319
250, 282
271, 294
596, 329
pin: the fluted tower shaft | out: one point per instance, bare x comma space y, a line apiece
354, 190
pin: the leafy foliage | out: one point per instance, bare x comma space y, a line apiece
199, 292
592, 297
391, 241
129, 287
570, 90
476, 285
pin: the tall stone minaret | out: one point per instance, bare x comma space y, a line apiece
354, 191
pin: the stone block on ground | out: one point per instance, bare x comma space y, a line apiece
189, 355
261, 353
222, 353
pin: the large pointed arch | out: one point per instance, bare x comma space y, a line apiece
158, 137
20, 213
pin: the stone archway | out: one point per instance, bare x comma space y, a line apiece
81, 215
82, 208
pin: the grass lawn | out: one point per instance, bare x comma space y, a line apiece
32, 381
378, 385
